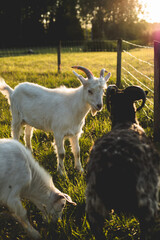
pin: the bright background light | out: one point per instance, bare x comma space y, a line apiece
151, 10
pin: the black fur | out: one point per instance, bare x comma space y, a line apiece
123, 170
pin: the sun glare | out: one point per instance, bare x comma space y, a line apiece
151, 10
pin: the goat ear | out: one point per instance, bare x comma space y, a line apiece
68, 199
58, 196
102, 72
111, 90
107, 77
81, 78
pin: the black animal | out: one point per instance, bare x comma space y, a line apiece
124, 167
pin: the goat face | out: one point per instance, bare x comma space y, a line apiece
93, 88
57, 209
54, 210
121, 103
93, 94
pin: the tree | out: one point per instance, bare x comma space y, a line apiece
67, 26
109, 17
34, 22
10, 23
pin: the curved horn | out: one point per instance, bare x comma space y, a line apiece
102, 72
85, 70
110, 90
136, 93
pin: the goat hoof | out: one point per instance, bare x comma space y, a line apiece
62, 172
80, 169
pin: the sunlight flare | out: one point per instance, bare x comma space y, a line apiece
151, 10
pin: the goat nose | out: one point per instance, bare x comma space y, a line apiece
99, 106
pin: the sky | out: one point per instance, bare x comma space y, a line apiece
151, 10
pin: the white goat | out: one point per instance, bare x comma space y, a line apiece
22, 177
61, 110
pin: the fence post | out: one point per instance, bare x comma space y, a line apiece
119, 59
156, 91
59, 56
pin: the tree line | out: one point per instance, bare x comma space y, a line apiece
36, 22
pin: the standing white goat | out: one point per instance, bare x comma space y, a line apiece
61, 110
22, 177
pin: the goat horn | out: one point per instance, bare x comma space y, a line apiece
136, 93
110, 89
102, 72
85, 70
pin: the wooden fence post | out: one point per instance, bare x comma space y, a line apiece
157, 91
119, 63
59, 56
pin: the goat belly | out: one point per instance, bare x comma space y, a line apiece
71, 129
72, 132
37, 124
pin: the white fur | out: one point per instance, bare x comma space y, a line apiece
22, 177
61, 110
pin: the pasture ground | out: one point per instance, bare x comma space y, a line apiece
42, 69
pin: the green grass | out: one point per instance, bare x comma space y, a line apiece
42, 69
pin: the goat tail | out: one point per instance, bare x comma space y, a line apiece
5, 89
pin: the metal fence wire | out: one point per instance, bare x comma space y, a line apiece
138, 69
136, 65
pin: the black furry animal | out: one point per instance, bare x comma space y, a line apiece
124, 167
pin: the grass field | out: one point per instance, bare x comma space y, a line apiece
42, 69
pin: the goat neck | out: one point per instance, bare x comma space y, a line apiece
81, 106
40, 188
122, 113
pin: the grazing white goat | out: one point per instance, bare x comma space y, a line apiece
22, 177
61, 110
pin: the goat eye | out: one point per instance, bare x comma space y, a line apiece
90, 92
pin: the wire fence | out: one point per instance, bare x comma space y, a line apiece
66, 46
138, 69
136, 64
137, 60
